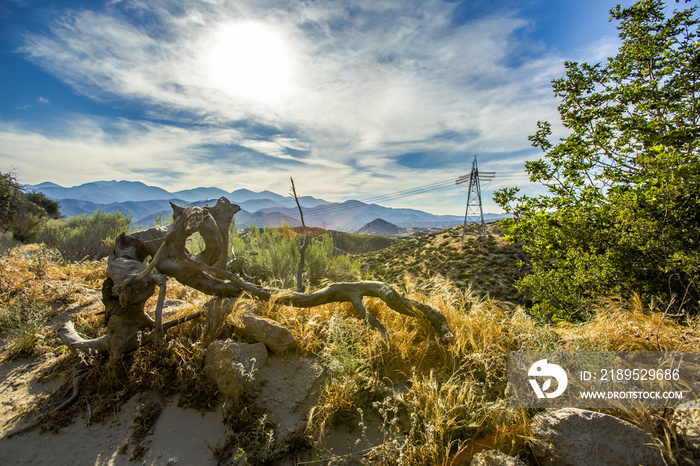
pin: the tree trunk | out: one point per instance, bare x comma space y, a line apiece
129, 284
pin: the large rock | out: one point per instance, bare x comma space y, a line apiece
277, 338
576, 437
232, 366
494, 458
290, 387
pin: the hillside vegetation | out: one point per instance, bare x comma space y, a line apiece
621, 209
487, 266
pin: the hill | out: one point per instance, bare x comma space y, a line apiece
486, 265
380, 227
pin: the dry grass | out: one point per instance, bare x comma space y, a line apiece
485, 265
433, 404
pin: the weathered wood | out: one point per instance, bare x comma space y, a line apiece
129, 284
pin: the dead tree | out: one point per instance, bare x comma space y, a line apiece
304, 245
130, 283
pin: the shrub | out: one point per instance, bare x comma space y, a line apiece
7, 242
20, 322
622, 207
84, 237
22, 213
272, 255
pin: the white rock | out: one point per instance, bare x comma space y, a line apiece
277, 338
576, 437
232, 366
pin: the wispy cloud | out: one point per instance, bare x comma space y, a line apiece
366, 84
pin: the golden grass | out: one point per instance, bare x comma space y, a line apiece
435, 404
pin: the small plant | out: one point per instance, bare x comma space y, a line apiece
146, 416
342, 355
250, 437
7, 242
272, 257
20, 323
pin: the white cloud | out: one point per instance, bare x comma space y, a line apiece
363, 88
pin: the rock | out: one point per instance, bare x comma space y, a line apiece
277, 338
495, 458
290, 387
577, 437
686, 421
232, 366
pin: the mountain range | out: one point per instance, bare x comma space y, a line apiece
142, 203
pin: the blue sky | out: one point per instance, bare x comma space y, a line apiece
353, 99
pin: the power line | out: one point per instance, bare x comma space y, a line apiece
439, 185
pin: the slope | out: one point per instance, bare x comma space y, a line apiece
488, 265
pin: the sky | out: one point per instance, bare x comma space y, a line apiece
354, 99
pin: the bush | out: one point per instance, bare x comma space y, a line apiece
622, 208
22, 213
84, 237
272, 256
7, 242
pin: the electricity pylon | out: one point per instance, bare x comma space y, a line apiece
474, 206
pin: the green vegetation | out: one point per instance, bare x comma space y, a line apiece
21, 212
272, 256
27, 217
84, 236
20, 322
360, 244
622, 213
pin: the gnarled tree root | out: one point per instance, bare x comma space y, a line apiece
130, 284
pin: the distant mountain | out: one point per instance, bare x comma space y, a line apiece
142, 213
380, 227
200, 194
241, 195
104, 192
253, 201
142, 203
352, 215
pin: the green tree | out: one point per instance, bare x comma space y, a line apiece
622, 211
21, 213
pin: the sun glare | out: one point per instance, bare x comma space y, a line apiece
251, 61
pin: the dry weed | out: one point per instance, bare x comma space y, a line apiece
436, 404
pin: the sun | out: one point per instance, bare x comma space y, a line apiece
250, 61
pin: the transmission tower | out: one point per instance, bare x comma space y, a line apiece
474, 206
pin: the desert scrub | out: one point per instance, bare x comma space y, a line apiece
433, 401
250, 436
271, 256
84, 236
20, 324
